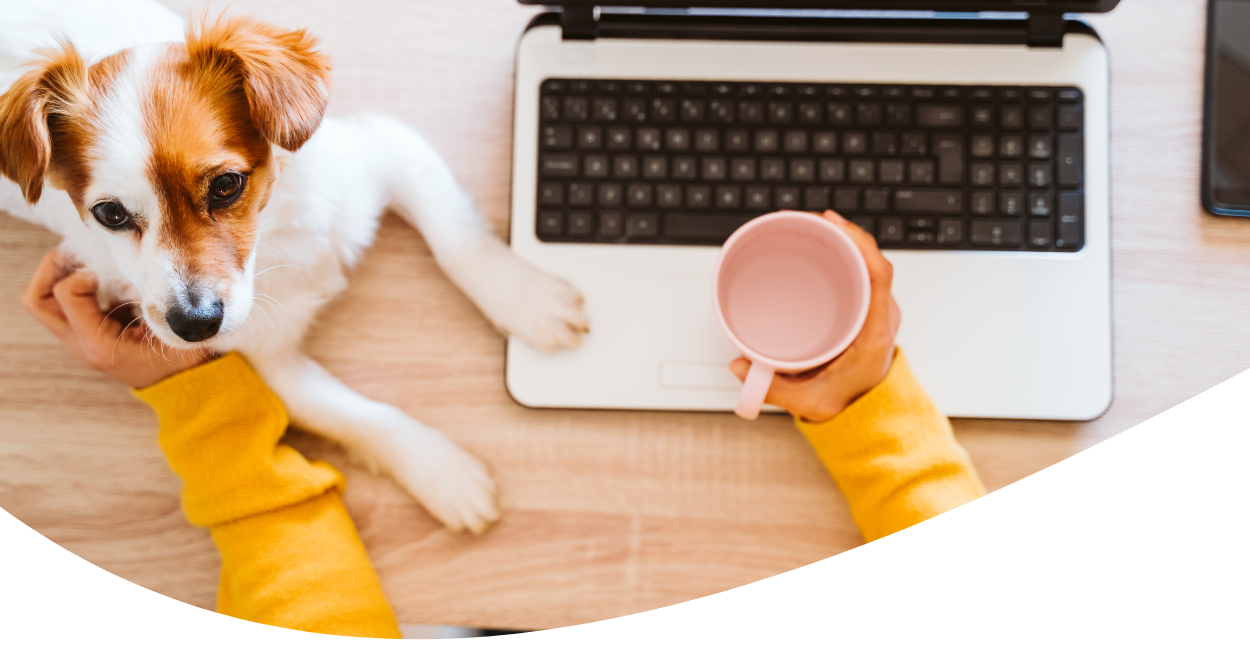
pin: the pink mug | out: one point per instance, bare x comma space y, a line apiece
791, 291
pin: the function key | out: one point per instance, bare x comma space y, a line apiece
894, 92
865, 92
1069, 95
837, 90
637, 87
723, 89
808, 90
981, 94
579, 86
923, 92
695, 88
780, 90
608, 87
555, 86
952, 93
1011, 94
666, 88
751, 90
1041, 95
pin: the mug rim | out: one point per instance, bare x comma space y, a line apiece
840, 345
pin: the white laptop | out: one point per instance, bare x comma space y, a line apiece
973, 146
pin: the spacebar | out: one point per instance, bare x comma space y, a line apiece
709, 228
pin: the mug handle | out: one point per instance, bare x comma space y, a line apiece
754, 389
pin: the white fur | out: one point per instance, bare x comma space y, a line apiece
322, 214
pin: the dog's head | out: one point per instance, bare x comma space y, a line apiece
166, 152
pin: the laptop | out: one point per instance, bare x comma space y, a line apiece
972, 143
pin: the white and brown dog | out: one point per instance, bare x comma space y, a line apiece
176, 163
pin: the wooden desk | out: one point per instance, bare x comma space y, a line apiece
607, 513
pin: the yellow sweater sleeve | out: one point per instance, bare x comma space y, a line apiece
291, 556
894, 456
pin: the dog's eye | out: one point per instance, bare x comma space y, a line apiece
227, 187
111, 215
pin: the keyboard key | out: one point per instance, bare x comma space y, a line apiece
1039, 147
1010, 174
787, 198
950, 232
802, 170
890, 231
811, 113
941, 116
576, 109
929, 201
950, 152
981, 203
915, 144
693, 110
624, 167
707, 140
663, 110
738, 140
649, 139
920, 172
1069, 95
1011, 146
605, 110
1070, 117
884, 144
863, 170
634, 111
702, 227
854, 142
698, 197
551, 194
668, 195
816, 199
729, 197
839, 114
611, 224
549, 108
877, 200
890, 172
773, 169
825, 142
833, 170
1011, 117
898, 115
982, 146
766, 140
721, 111
580, 224
595, 166
1011, 203
581, 194
920, 237
981, 174
642, 225
759, 197
556, 137
1071, 215
751, 112
866, 224
1071, 164
742, 169
620, 138
1039, 175
685, 167
550, 223
1039, 233
655, 167
714, 168
677, 140
1039, 117
846, 200
996, 232
1039, 204
983, 117
558, 165
795, 141
780, 113
590, 138
868, 114
639, 195
611, 195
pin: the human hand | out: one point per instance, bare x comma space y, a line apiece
66, 305
819, 394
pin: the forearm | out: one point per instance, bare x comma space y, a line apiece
291, 555
894, 456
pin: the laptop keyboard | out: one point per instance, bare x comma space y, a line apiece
919, 167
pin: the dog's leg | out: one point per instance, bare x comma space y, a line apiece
452, 484
518, 298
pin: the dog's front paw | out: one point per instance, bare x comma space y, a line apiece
542, 310
452, 484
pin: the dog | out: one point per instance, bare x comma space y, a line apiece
194, 173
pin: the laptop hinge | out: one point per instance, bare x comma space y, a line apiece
580, 22
1045, 29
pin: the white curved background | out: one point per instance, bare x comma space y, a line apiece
1141, 542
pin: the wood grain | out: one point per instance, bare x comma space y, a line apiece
607, 513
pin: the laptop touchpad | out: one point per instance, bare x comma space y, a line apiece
692, 350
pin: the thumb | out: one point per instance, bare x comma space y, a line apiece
740, 367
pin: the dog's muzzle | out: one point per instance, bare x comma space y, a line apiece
195, 323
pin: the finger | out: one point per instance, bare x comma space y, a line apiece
740, 367
38, 299
77, 296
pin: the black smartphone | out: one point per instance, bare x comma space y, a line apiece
1226, 119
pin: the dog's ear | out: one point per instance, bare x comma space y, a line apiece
51, 91
285, 78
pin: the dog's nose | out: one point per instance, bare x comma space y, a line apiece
195, 324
